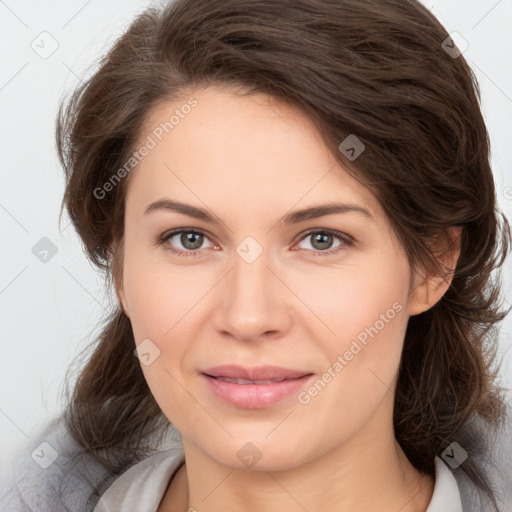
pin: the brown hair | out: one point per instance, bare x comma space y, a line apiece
377, 69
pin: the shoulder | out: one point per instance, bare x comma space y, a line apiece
142, 486
496, 461
53, 472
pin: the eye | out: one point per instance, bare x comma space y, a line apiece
322, 240
187, 241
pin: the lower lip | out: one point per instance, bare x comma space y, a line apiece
255, 396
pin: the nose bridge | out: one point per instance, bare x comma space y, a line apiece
251, 302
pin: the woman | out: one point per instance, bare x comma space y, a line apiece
295, 205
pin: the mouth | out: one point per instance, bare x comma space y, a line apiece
246, 381
254, 388
254, 374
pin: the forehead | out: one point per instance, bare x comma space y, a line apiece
239, 150
215, 118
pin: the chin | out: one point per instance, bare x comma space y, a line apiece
254, 452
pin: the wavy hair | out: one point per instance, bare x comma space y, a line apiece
377, 69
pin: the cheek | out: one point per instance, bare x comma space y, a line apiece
160, 304
364, 308
355, 301
164, 304
159, 294
374, 306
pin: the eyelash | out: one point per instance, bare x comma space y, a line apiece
345, 239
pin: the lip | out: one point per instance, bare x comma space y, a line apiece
257, 395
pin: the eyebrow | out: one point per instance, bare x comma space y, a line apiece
295, 217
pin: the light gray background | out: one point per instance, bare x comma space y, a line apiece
49, 310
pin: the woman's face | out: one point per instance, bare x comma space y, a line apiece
252, 283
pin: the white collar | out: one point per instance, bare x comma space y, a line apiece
142, 487
446, 496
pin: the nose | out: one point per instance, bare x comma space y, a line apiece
252, 302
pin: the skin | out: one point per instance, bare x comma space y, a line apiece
251, 160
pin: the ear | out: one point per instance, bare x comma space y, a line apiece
117, 256
428, 289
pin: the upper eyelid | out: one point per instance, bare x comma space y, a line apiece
177, 231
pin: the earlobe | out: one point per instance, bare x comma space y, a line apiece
122, 301
428, 290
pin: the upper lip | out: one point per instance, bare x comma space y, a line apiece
254, 373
